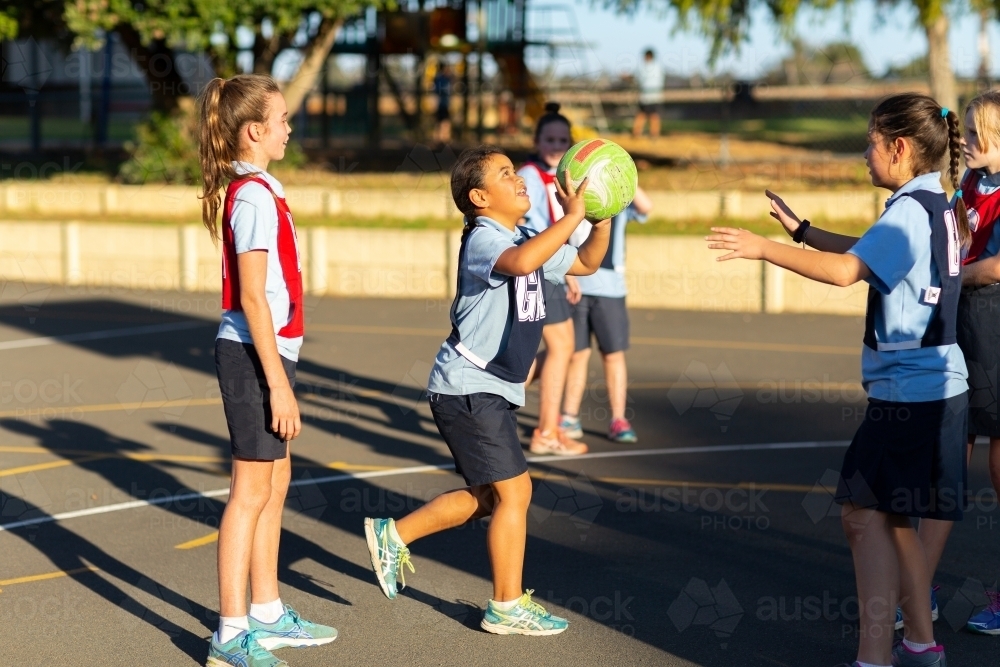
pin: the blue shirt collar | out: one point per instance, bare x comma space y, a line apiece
242, 168
490, 222
930, 181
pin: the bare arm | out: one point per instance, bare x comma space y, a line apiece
643, 204
523, 259
593, 250
252, 266
840, 269
984, 272
814, 237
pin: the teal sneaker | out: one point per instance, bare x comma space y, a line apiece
243, 650
389, 558
621, 431
526, 618
291, 630
571, 427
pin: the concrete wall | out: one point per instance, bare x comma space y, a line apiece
663, 271
181, 202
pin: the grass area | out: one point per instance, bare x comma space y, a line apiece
811, 131
655, 227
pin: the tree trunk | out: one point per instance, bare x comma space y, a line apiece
983, 47
315, 54
941, 77
156, 61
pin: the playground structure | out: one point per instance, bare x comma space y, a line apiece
467, 33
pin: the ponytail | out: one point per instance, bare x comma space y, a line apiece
226, 107
954, 155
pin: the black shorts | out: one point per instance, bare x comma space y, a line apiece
979, 338
442, 114
557, 306
909, 459
247, 401
649, 109
606, 318
481, 432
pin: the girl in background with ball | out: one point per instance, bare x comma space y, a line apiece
553, 137
477, 382
907, 458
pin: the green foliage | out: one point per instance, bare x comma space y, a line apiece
918, 68
163, 152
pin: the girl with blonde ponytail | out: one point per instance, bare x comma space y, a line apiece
244, 126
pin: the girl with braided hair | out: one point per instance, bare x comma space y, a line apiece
907, 458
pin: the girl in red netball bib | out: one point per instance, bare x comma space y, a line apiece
244, 126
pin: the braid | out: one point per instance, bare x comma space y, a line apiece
955, 153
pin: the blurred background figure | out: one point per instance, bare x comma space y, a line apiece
650, 79
442, 88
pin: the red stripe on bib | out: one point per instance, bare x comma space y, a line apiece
588, 149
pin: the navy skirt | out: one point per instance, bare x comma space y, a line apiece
979, 338
909, 459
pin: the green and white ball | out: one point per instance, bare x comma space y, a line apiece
613, 177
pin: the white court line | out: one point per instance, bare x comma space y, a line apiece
97, 335
666, 451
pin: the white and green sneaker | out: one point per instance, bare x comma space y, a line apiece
525, 618
389, 557
243, 650
291, 630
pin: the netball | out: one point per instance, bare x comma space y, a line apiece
613, 177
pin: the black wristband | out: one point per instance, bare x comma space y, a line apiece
801, 231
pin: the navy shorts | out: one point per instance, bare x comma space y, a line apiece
557, 306
979, 338
247, 401
604, 317
909, 459
481, 432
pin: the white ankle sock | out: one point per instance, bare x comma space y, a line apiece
918, 648
871, 664
230, 626
506, 606
394, 535
269, 612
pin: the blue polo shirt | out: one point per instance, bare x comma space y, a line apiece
897, 250
482, 312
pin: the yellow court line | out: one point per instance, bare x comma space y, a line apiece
631, 481
48, 575
199, 542
115, 407
49, 465
747, 345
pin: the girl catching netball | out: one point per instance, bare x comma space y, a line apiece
552, 139
244, 126
908, 457
477, 382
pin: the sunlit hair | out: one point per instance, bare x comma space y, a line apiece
469, 174
985, 110
226, 107
933, 136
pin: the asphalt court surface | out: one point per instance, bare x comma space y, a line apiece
713, 541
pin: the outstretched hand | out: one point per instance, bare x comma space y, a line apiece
783, 214
572, 202
742, 243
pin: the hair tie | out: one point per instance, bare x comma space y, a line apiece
944, 112
958, 194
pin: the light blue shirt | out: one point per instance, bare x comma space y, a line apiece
539, 217
897, 250
611, 282
255, 227
987, 186
482, 313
